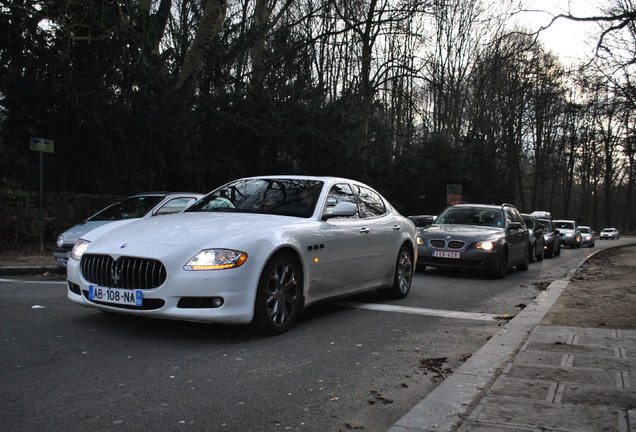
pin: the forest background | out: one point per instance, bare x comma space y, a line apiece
409, 96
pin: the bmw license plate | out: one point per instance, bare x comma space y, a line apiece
115, 295
446, 254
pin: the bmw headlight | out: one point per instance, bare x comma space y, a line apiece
485, 245
60, 240
216, 259
79, 248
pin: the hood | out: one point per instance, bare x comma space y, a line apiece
187, 228
73, 234
463, 232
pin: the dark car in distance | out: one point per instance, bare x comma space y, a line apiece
552, 238
475, 236
535, 233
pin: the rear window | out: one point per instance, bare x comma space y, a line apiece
564, 225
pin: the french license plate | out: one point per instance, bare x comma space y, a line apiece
115, 295
446, 254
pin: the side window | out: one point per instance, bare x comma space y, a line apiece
340, 192
372, 205
175, 205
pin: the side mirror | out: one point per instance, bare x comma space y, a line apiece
342, 209
515, 225
422, 221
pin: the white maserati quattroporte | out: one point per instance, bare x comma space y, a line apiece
256, 250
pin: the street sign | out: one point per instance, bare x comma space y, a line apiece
453, 193
41, 144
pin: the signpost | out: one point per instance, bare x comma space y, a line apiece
453, 193
41, 145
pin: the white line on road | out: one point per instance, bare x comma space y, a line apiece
421, 311
32, 281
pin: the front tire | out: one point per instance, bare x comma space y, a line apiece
403, 276
533, 253
541, 254
502, 268
526, 263
279, 294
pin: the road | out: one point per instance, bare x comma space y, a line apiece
361, 362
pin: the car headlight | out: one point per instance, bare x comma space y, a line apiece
485, 245
216, 259
420, 241
79, 248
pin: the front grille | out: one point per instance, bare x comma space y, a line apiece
438, 244
452, 244
456, 244
126, 272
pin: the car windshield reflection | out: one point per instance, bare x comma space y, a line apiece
470, 216
287, 197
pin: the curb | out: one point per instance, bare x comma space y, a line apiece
445, 408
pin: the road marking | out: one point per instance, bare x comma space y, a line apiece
422, 311
32, 281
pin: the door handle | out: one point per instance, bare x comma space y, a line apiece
365, 230
396, 227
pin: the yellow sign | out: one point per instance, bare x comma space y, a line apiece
42, 145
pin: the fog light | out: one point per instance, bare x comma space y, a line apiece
217, 302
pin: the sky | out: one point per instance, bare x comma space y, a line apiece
570, 40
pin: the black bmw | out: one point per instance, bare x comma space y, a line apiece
475, 236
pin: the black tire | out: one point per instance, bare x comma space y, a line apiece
502, 268
279, 294
550, 252
403, 276
533, 253
526, 264
541, 254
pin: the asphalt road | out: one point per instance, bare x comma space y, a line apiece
362, 362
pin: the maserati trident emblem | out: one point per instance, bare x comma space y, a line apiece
115, 272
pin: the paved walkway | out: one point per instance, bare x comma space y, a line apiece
533, 377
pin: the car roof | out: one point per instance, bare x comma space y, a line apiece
485, 206
163, 194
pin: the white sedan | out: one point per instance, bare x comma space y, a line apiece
256, 250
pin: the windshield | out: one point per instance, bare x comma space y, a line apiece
608, 230
471, 216
585, 230
130, 208
564, 225
288, 197
548, 225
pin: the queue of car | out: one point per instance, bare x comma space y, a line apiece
260, 249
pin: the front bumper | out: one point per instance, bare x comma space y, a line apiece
185, 295
61, 255
469, 258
